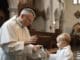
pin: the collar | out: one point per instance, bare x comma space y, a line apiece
68, 46
18, 21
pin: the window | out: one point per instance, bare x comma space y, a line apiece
76, 1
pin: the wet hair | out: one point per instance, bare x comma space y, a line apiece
64, 37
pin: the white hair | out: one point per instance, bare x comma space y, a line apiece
27, 11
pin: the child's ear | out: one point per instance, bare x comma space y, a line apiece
22, 16
65, 42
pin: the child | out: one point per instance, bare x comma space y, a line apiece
64, 52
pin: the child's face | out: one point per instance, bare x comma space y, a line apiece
61, 43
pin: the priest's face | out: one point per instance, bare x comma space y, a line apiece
27, 19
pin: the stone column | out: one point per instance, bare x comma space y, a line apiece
13, 6
50, 22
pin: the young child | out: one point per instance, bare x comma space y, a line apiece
64, 52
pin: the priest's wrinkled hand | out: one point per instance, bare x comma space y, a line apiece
37, 48
34, 38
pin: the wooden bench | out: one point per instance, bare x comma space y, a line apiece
48, 40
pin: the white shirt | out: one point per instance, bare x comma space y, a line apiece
62, 54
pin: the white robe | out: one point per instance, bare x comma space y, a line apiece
13, 35
12, 31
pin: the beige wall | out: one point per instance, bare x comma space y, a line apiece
39, 23
44, 25
70, 19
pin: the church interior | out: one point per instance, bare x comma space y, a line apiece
52, 18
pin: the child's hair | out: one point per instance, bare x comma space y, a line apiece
64, 37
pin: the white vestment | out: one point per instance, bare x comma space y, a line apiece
13, 35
